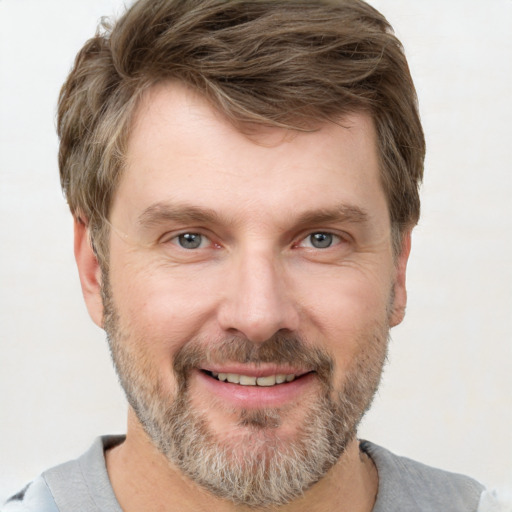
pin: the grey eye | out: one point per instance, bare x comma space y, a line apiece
190, 240
321, 240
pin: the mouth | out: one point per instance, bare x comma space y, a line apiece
252, 380
255, 386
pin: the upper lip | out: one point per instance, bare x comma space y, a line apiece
263, 370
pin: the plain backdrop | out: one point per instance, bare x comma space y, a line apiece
446, 395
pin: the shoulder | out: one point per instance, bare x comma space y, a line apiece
35, 497
80, 484
406, 485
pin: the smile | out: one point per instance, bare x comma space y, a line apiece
254, 388
249, 380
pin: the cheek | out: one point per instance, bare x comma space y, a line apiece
347, 298
166, 304
348, 314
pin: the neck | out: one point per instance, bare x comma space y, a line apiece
144, 480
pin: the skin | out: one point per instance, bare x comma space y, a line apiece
256, 273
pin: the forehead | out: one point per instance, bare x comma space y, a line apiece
182, 149
174, 104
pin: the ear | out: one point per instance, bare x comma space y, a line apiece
89, 271
400, 290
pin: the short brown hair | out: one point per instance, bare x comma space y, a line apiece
291, 63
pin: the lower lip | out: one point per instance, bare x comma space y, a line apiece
253, 397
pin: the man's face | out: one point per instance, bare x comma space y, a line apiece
250, 291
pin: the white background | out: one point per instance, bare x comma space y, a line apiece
446, 395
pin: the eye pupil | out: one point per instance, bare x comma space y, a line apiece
190, 240
321, 240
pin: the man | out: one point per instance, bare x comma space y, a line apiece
244, 182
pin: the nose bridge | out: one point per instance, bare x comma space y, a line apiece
258, 303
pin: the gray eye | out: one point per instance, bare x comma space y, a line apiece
190, 240
321, 240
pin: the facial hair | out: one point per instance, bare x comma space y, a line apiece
257, 467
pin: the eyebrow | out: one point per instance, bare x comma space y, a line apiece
161, 212
342, 213
158, 213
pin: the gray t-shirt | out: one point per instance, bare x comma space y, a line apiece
404, 485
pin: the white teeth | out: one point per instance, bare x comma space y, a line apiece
266, 381
247, 380
233, 378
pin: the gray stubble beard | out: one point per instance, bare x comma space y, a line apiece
258, 468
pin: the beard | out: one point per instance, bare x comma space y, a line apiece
255, 465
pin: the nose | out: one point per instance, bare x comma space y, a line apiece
257, 299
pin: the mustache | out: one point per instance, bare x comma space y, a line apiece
281, 348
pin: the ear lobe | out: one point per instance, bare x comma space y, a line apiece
399, 289
89, 271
